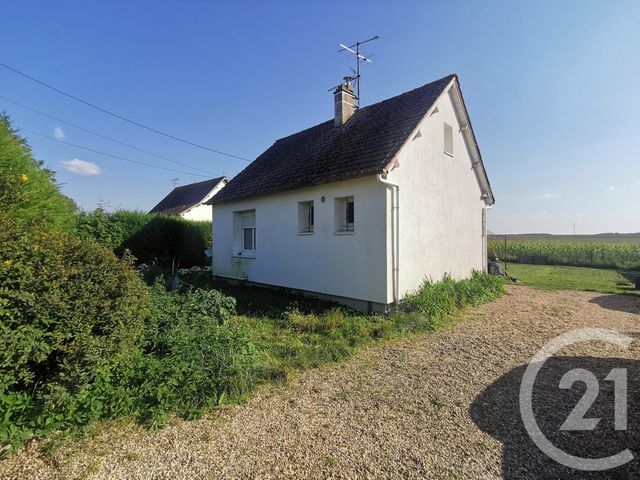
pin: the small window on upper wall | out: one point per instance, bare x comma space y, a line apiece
305, 217
448, 139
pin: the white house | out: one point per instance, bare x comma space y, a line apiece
364, 207
189, 201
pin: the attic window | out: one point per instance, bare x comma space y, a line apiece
448, 139
305, 217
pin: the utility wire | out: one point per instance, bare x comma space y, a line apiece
102, 136
133, 122
111, 155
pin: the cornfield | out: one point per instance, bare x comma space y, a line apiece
599, 254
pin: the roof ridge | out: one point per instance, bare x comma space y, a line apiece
323, 153
219, 179
450, 76
187, 195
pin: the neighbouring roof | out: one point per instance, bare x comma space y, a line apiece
186, 196
364, 145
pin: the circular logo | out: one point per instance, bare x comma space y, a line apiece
576, 421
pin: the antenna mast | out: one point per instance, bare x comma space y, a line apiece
359, 58
174, 181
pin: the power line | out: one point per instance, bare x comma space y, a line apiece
102, 136
113, 156
133, 122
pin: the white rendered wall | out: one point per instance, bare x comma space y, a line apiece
351, 265
202, 211
440, 205
199, 212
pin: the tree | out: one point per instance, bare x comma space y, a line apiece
28, 191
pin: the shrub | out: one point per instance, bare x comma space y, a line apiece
83, 338
69, 312
111, 229
150, 238
165, 239
190, 359
28, 192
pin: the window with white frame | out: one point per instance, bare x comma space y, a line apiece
305, 217
345, 214
448, 139
248, 231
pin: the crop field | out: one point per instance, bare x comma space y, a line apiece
599, 251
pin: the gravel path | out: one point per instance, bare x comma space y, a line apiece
441, 405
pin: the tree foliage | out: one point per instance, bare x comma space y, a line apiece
28, 192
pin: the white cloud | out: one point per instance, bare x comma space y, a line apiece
547, 196
80, 167
612, 187
58, 133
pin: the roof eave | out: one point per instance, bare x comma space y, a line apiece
219, 201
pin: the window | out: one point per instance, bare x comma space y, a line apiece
249, 239
448, 139
345, 214
247, 231
305, 217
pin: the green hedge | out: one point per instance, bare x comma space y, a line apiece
28, 192
150, 238
70, 312
111, 228
167, 238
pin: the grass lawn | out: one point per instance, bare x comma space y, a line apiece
555, 277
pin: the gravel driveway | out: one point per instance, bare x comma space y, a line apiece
441, 405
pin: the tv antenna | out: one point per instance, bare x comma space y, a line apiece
174, 181
359, 59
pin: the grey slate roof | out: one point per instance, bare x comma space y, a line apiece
186, 196
364, 145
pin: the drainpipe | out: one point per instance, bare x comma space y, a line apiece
395, 236
485, 238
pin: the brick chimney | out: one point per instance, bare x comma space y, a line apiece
344, 103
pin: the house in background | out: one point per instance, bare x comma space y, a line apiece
362, 208
188, 201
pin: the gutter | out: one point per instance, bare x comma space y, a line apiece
395, 235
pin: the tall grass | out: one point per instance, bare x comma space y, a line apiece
434, 300
620, 255
297, 337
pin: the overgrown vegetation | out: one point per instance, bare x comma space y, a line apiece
620, 254
28, 193
83, 338
294, 332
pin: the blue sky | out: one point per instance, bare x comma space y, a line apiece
552, 87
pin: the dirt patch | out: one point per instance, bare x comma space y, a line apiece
439, 405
